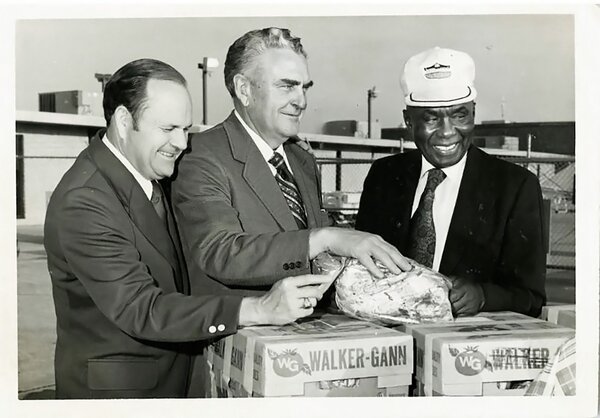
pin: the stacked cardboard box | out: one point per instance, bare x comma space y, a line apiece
560, 314
329, 355
480, 354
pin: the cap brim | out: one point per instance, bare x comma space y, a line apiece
440, 98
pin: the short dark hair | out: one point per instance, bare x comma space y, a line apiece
127, 86
254, 43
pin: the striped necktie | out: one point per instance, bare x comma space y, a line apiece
290, 191
422, 230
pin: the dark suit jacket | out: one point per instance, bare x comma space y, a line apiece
496, 234
234, 221
125, 324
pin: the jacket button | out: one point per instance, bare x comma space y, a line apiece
298, 264
221, 327
212, 329
285, 266
292, 266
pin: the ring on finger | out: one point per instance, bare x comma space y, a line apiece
306, 304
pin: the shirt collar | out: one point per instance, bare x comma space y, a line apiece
454, 172
144, 183
264, 148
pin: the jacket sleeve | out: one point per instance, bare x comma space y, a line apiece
519, 282
98, 243
213, 236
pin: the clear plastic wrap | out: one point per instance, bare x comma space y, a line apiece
416, 296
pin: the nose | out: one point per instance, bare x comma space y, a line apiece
447, 130
299, 100
179, 139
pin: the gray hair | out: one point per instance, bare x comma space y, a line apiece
252, 44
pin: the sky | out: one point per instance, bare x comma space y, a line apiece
517, 80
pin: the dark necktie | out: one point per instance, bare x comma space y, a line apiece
290, 191
422, 230
158, 201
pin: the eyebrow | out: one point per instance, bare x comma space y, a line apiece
171, 125
297, 83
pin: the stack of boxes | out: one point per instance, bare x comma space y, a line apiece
490, 354
329, 355
482, 355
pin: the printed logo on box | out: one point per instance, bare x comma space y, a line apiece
289, 363
471, 362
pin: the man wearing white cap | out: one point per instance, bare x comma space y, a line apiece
451, 206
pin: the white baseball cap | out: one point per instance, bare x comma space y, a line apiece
438, 77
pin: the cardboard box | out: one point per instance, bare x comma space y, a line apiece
219, 362
331, 355
564, 315
473, 363
422, 334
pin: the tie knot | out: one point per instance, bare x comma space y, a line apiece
435, 177
276, 160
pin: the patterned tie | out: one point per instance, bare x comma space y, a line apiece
422, 230
158, 201
290, 191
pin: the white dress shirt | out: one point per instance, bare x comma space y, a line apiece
145, 184
443, 202
266, 151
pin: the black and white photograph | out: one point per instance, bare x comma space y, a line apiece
287, 210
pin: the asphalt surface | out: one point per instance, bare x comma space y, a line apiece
36, 316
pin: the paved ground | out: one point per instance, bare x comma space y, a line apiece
36, 317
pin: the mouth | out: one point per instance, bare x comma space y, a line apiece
292, 115
446, 149
170, 155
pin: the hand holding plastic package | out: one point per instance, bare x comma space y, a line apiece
416, 296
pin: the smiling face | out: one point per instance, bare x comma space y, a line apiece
442, 134
276, 96
161, 133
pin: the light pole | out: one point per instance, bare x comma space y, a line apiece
102, 78
207, 65
371, 94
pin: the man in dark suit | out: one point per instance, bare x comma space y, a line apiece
247, 196
127, 325
451, 206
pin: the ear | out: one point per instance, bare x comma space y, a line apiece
406, 116
123, 120
242, 89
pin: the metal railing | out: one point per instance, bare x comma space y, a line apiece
342, 180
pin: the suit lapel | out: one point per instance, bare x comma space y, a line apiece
472, 201
307, 185
257, 174
133, 199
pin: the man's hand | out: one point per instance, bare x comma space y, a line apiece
289, 299
364, 246
466, 297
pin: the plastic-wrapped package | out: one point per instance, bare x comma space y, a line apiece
416, 296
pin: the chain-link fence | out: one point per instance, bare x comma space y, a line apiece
342, 180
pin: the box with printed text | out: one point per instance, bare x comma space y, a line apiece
219, 363
497, 360
330, 355
423, 333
